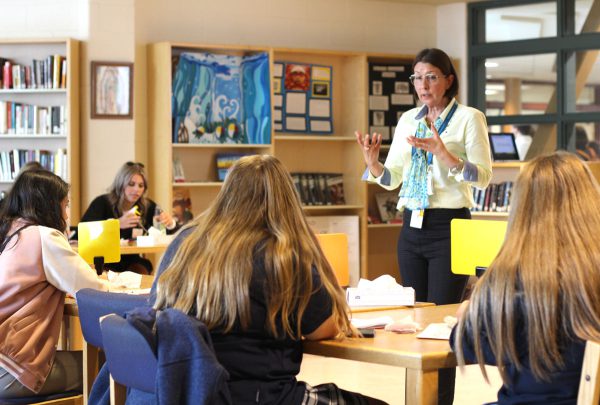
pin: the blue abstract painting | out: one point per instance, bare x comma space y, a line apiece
220, 99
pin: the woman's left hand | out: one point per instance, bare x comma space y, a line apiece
435, 145
166, 219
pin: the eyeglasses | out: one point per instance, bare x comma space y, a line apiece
430, 78
135, 164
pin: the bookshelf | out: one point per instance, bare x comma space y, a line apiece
66, 100
336, 152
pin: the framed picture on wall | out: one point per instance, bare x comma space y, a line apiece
112, 90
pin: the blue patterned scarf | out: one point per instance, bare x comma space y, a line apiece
414, 194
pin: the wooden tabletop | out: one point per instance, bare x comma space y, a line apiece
395, 349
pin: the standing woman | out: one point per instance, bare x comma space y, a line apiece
260, 302
126, 200
537, 303
37, 268
438, 153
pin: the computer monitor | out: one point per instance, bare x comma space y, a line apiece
503, 146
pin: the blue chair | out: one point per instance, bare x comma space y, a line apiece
131, 361
92, 305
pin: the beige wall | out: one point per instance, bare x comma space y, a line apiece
118, 30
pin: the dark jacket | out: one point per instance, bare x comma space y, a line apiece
188, 371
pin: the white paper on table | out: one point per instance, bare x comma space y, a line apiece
126, 279
371, 322
295, 103
440, 331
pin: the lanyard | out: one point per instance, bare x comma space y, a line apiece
440, 130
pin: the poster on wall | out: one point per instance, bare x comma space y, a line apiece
390, 94
303, 98
221, 99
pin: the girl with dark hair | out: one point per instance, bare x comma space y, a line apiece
37, 268
126, 200
439, 152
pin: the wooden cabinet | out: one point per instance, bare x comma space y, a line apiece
30, 137
335, 152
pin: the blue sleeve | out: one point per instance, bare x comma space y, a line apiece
469, 349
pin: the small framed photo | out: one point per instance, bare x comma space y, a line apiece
401, 87
376, 88
320, 89
378, 118
277, 85
386, 204
112, 90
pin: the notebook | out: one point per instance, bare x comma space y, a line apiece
503, 146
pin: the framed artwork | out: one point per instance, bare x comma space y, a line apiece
320, 89
112, 90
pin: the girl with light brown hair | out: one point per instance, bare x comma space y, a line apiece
538, 302
252, 270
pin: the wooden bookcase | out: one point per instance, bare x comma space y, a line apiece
22, 52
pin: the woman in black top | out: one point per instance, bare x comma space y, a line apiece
536, 305
251, 269
126, 200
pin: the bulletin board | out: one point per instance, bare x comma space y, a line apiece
390, 95
303, 95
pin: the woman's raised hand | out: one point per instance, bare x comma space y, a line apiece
129, 219
370, 146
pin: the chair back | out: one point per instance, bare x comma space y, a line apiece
589, 384
335, 248
130, 358
94, 304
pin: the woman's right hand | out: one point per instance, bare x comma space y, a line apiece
370, 146
129, 219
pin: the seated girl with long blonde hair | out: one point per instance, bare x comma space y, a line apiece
538, 302
251, 269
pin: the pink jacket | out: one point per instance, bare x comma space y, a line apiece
35, 272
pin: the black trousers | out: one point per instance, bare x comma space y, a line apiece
424, 261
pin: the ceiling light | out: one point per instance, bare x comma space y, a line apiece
491, 64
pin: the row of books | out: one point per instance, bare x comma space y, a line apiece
49, 73
11, 161
19, 118
320, 188
494, 198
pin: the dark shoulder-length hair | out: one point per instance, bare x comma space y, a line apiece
35, 198
440, 60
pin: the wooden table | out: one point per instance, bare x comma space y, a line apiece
422, 358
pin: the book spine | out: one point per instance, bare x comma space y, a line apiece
7, 75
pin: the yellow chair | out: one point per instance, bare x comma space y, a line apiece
335, 248
99, 242
589, 384
474, 243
